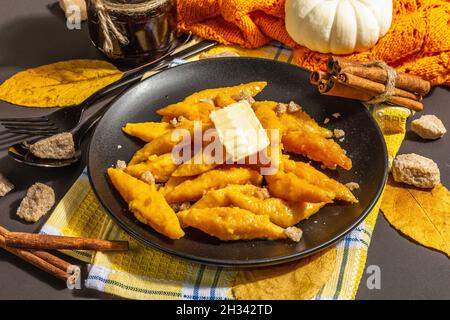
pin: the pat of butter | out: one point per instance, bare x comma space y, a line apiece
239, 130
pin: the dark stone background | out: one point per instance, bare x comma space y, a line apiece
32, 34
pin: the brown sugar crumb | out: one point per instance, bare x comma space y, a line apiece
416, 170
293, 107
185, 206
39, 200
176, 122
338, 133
244, 95
148, 177
352, 186
175, 206
207, 100
59, 146
5, 185
121, 165
326, 120
336, 115
293, 233
281, 108
206, 55
262, 194
180, 206
428, 127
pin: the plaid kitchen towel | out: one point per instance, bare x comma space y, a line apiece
146, 273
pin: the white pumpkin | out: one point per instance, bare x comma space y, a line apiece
338, 26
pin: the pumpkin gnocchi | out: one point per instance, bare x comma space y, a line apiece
231, 223
230, 201
147, 131
147, 204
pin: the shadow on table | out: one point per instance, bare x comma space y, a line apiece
37, 40
23, 176
56, 284
33, 271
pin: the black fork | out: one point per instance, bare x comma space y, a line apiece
68, 118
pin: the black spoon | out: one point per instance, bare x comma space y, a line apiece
21, 151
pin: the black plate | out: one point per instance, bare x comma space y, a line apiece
363, 142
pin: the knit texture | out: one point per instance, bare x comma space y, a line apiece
417, 43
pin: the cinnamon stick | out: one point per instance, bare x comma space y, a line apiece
324, 85
333, 87
43, 260
405, 102
45, 242
54, 260
37, 261
372, 86
411, 83
316, 76
336, 64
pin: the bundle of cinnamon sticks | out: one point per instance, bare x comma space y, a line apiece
31, 248
364, 81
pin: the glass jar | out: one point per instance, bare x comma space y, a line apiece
132, 32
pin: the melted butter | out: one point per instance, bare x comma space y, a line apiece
239, 130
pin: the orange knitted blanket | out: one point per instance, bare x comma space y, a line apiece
418, 41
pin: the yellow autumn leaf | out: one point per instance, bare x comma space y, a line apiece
298, 280
58, 84
422, 215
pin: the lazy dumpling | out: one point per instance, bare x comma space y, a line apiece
231, 223
147, 204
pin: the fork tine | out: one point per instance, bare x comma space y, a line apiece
34, 132
6, 143
30, 127
35, 119
6, 135
25, 123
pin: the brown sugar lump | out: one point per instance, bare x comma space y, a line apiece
293, 233
428, 127
352, 186
416, 170
244, 95
121, 165
5, 185
339, 133
59, 146
148, 177
39, 200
